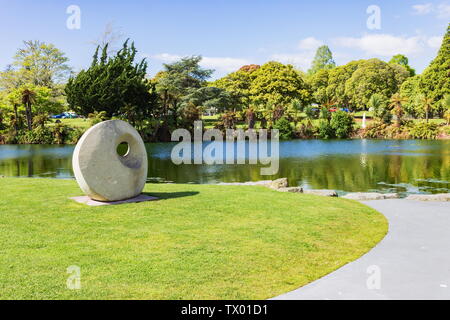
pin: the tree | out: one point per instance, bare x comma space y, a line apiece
403, 61
28, 99
396, 103
411, 89
434, 82
115, 85
342, 124
318, 83
379, 105
374, 76
337, 78
238, 84
427, 105
209, 98
33, 101
322, 60
41, 64
278, 84
179, 80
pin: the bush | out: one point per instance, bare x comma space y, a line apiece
342, 124
379, 104
73, 135
97, 117
375, 130
39, 135
227, 120
325, 131
447, 116
59, 134
380, 130
284, 126
305, 130
424, 130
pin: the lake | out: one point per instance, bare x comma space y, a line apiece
405, 166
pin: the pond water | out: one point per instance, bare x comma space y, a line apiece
405, 166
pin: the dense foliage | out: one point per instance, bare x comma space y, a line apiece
115, 85
321, 103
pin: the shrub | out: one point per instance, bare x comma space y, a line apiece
39, 135
447, 116
227, 120
375, 130
424, 130
325, 131
73, 135
305, 130
285, 128
342, 123
379, 104
380, 130
97, 117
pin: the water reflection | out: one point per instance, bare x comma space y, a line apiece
407, 166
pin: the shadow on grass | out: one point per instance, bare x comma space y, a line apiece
171, 195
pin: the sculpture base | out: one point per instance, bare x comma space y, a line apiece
93, 203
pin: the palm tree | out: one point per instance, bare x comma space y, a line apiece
375, 105
250, 117
396, 103
427, 104
28, 98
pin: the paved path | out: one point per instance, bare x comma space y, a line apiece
413, 260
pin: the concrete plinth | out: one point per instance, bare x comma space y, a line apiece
93, 203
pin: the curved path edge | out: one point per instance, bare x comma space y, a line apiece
411, 262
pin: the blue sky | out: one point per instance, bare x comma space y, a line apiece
231, 33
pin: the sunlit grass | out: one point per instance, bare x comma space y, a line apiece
75, 123
197, 242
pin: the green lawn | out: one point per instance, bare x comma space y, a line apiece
197, 242
76, 123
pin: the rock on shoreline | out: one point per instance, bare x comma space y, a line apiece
367, 196
281, 185
323, 193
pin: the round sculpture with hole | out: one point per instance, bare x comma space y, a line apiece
110, 162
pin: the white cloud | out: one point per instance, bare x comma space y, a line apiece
435, 42
225, 64
422, 9
382, 44
309, 43
442, 11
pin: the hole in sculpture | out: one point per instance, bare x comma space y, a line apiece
123, 149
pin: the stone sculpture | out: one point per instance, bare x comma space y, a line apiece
101, 172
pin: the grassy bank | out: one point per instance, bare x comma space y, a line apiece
196, 242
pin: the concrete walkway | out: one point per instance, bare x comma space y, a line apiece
412, 262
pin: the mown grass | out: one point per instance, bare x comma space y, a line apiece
75, 123
196, 242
